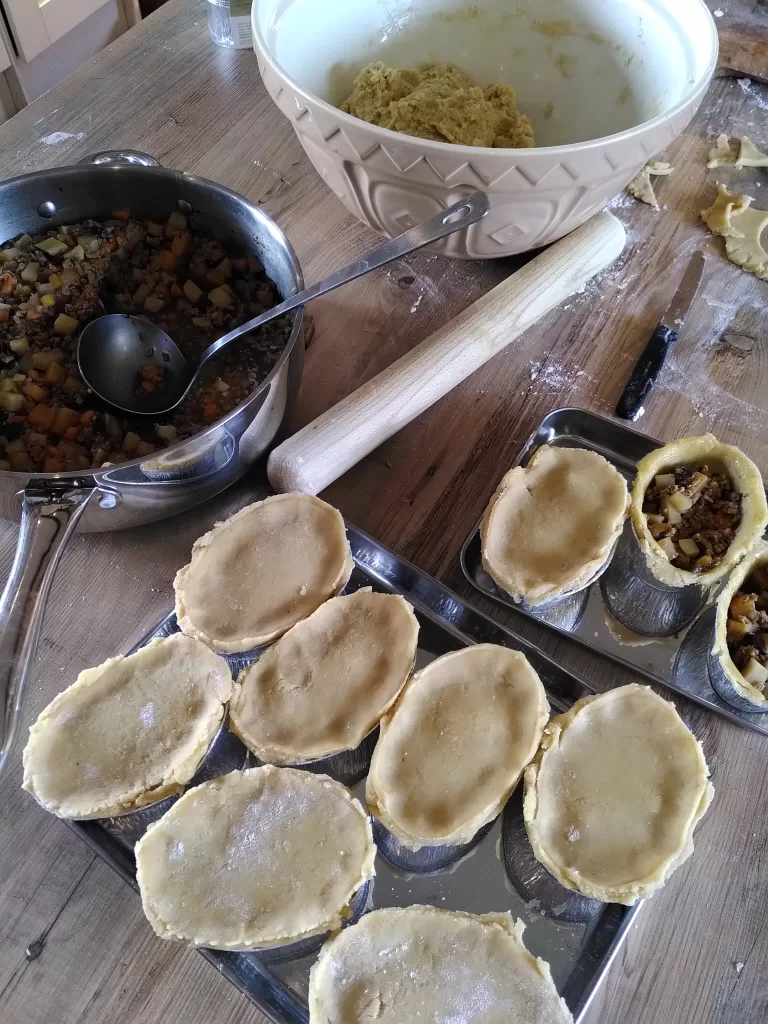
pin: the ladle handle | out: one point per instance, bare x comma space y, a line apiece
326, 448
47, 521
461, 215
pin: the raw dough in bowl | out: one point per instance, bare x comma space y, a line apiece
255, 859
262, 570
757, 558
552, 525
746, 480
129, 732
455, 745
324, 684
403, 965
613, 796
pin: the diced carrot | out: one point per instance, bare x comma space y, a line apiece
65, 418
7, 283
87, 416
180, 243
210, 411
177, 290
168, 260
55, 374
54, 464
121, 214
33, 314
53, 450
33, 374
70, 433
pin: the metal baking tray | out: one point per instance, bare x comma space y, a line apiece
601, 615
495, 872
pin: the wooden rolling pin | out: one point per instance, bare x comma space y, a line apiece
338, 439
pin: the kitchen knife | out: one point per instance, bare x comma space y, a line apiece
648, 366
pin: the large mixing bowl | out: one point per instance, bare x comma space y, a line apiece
607, 84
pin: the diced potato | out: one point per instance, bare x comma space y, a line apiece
65, 418
43, 288
222, 297
220, 274
6, 255
705, 562
166, 431
175, 223
53, 246
8, 384
4, 464
15, 446
11, 401
68, 276
20, 462
141, 293
668, 547
37, 439
664, 480
155, 229
30, 272
192, 291
201, 321
221, 385
64, 324
736, 629
679, 501
5, 312
48, 300
652, 517
698, 482
154, 303
77, 254
755, 673
42, 416
688, 547
743, 604
180, 243
168, 260
25, 242
85, 241
131, 442
35, 392
42, 360
73, 386
672, 515
660, 529
55, 374
19, 345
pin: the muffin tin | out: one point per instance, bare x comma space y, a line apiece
496, 871
665, 633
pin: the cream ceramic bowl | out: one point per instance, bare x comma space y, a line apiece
607, 84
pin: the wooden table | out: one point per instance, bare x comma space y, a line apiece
74, 946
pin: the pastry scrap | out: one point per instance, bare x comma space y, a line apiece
721, 155
741, 631
698, 506
614, 794
255, 859
324, 684
262, 570
403, 965
127, 733
641, 186
552, 525
455, 745
439, 102
741, 227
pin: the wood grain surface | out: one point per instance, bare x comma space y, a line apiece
74, 946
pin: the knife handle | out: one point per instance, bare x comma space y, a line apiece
647, 369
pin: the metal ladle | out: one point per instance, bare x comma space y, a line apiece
113, 349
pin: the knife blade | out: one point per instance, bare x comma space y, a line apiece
667, 331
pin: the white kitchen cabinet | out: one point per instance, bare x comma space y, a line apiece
37, 24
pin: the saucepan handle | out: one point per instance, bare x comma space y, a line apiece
121, 156
48, 519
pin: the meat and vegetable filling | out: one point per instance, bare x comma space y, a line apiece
693, 512
51, 285
747, 628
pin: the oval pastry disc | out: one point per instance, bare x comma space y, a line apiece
746, 480
614, 794
255, 859
324, 684
455, 745
129, 732
400, 966
262, 570
552, 525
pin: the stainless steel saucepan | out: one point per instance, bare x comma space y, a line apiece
51, 505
